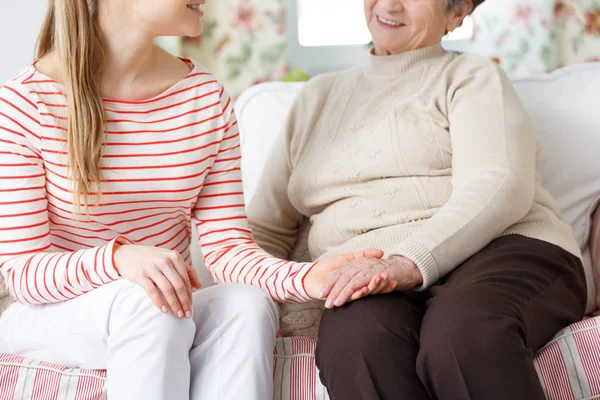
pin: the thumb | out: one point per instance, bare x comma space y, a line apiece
194, 279
368, 253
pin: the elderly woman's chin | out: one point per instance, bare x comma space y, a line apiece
389, 40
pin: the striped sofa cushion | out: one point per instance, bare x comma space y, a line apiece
22, 378
568, 366
595, 251
296, 376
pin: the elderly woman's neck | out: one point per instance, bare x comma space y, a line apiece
382, 51
397, 64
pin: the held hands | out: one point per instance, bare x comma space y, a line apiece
162, 273
367, 274
325, 269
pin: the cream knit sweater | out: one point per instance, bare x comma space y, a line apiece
426, 154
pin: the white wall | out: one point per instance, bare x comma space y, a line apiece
20, 23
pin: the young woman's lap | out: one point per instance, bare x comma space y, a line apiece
75, 333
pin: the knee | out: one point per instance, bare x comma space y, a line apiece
342, 329
134, 307
357, 332
466, 329
248, 307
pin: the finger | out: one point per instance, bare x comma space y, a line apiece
381, 287
356, 283
182, 269
375, 283
391, 287
338, 285
154, 294
183, 291
194, 278
359, 294
378, 281
383, 283
367, 253
326, 289
168, 292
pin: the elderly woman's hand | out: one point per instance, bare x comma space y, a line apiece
350, 281
325, 269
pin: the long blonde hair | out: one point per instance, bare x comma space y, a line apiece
71, 31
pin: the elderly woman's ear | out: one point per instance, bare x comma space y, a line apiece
459, 9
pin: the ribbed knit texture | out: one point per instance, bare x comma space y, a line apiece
425, 154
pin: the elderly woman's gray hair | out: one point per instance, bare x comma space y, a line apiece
451, 4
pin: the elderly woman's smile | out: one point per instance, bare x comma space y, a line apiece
389, 23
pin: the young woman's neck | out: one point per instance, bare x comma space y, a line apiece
129, 55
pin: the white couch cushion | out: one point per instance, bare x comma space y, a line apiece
564, 108
262, 112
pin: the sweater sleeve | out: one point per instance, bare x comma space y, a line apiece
230, 253
493, 174
272, 217
34, 274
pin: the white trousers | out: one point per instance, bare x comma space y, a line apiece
224, 352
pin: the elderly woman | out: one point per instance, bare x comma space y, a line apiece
429, 156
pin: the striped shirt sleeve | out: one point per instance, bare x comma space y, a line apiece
33, 272
230, 253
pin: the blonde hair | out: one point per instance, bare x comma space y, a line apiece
71, 31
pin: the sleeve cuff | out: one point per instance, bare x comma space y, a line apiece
109, 261
424, 261
298, 288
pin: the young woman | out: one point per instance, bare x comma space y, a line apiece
109, 149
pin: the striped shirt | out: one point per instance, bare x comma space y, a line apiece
167, 162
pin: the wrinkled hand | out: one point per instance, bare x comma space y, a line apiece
325, 269
162, 273
380, 284
349, 282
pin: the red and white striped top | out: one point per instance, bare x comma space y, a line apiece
167, 162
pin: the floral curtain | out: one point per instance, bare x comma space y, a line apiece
244, 41
578, 30
531, 36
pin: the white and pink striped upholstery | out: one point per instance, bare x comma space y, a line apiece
568, 366
22, 378
595, 251
296, 376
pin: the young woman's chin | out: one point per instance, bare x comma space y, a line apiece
185, 28
192, 24
192, 31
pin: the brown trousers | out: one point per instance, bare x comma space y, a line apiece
472, 336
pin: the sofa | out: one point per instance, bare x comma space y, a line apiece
565, 106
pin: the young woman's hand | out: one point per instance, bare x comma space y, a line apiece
162, 273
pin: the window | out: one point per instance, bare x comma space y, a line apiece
328, 23
332, 34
